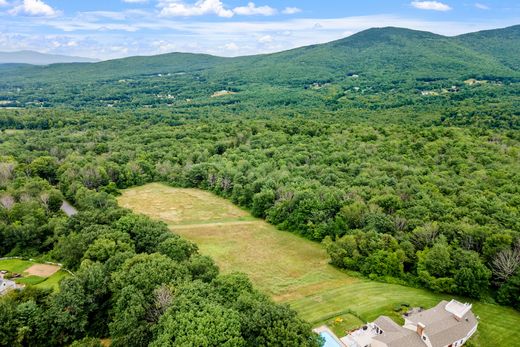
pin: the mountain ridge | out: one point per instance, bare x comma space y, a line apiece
383, 58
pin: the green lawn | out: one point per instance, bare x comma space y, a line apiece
20, 266
53, 282
294, 270
342, 324
15, 265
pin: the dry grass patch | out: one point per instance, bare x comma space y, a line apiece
281, 264
42, 270
180, 206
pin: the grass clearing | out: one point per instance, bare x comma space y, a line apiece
294, 270
181, 206
53, 282
15, 265
39, 275
32, 280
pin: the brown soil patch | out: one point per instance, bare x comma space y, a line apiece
42, 270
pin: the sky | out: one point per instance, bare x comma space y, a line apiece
108, 29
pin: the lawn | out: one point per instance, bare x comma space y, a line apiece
342, 324
53, 282
291, 269
15, 265
21, 266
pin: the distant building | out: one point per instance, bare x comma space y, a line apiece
6, 285
449, 324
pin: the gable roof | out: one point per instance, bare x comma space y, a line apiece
444, 327
395, 335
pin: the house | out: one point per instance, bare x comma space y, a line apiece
449, 324
6, 285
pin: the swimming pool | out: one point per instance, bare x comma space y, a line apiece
329, 340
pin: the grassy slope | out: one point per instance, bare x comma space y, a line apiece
292, 269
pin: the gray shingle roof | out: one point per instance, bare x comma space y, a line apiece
442, 327
395, 335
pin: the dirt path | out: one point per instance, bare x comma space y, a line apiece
208, 225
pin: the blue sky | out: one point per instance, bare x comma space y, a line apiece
108, 29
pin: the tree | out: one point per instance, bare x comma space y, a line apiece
205, 324
202, 268
505, 263
437, 260
262, 202
471, 275
81, 306
129, 326
146, 234
495, 244
509, 292
384, 263
45, 167
267, 324
177, 248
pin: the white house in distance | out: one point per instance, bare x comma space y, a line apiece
6, 285
449, 324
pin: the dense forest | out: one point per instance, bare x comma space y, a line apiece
183, 301
410, 178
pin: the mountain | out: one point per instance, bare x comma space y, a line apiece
381, 59
37, 58
502, 44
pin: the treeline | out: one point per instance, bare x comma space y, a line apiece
135, 282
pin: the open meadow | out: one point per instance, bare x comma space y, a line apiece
291, 269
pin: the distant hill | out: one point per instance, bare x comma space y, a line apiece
502, 44
37, 58
380, 59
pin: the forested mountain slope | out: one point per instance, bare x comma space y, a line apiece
503, 44
383, 59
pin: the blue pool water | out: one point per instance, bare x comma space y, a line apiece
329, 340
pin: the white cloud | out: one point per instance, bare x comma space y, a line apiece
179, 8
252, 9
231, 46
135, 1
481, 6
173, 8
143, 33
3, 3
291, 10
34, 8
430, 5
265, 39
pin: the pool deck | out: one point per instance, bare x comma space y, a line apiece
324, 328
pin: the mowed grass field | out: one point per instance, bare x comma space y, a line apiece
291, 269
23, 267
